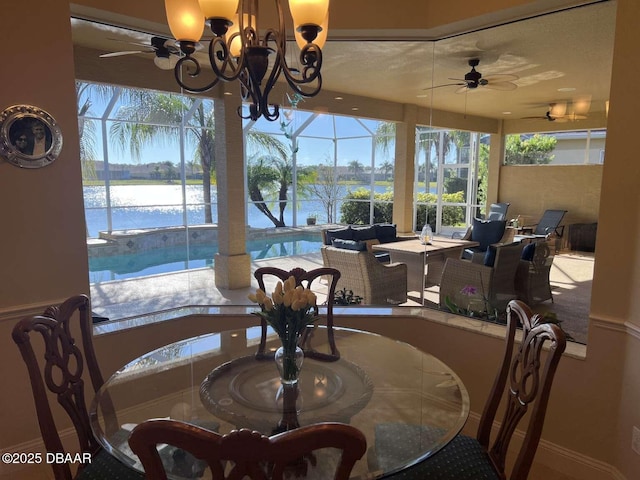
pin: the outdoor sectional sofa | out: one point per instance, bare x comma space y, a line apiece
361, 237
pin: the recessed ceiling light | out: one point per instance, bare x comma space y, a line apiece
228, 93
506, 113
355, 109
422, 95
566, 89
338, 98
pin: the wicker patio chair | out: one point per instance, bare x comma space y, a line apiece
495, 283
375, 282
532, 275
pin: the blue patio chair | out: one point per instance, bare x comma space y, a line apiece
498, 211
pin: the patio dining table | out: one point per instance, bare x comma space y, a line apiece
406, 402
424, 261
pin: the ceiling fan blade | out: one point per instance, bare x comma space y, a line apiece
572, 117
500, 86
120, 54
446, 85
140, 43
501, 77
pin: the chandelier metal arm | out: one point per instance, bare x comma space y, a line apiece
258, 99
177, 71
256, 62
311, 60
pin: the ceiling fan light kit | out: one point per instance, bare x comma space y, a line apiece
238, 52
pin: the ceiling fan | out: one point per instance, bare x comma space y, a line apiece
166, 52
474, 79
557, 113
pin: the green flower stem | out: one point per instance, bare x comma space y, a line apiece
289, 367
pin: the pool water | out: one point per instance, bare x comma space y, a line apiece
174, 259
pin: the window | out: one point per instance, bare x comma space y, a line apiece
556, 148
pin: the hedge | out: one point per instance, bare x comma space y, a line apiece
355, 209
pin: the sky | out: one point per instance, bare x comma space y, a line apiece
315, 145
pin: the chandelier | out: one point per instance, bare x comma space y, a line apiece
238, 52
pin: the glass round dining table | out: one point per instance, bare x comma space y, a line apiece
406, 402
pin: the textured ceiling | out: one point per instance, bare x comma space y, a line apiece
571, 49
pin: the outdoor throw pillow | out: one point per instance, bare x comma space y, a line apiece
386, 232
487, 232
367, 232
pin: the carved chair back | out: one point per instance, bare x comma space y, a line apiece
306, 279
247, 453
529, 376
60, 372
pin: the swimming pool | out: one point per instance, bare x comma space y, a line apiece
174, 259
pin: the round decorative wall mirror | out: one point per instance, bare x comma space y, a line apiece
29, 137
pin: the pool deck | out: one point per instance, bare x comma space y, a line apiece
159, 296
138, 296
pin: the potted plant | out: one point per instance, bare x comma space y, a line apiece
311, 218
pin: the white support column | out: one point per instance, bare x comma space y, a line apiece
405, 170
232, 263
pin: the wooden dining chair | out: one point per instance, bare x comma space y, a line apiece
251, 454
306, 279
527, 376
60, 373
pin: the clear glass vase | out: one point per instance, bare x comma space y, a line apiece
289, 363
426, 235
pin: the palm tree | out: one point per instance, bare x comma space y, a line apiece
151, 117
386, 168
426, 140
357, 168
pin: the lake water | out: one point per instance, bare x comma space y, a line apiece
150, 206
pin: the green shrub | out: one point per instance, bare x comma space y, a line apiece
355, 209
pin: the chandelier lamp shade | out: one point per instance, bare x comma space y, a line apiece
237, 51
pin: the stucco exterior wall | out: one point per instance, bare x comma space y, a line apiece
532, 189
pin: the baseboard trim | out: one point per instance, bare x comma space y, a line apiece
555, 457
32, 446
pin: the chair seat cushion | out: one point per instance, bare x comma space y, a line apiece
350, 245
528, 252
467, 253
342, 233
462, 459
103, 466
